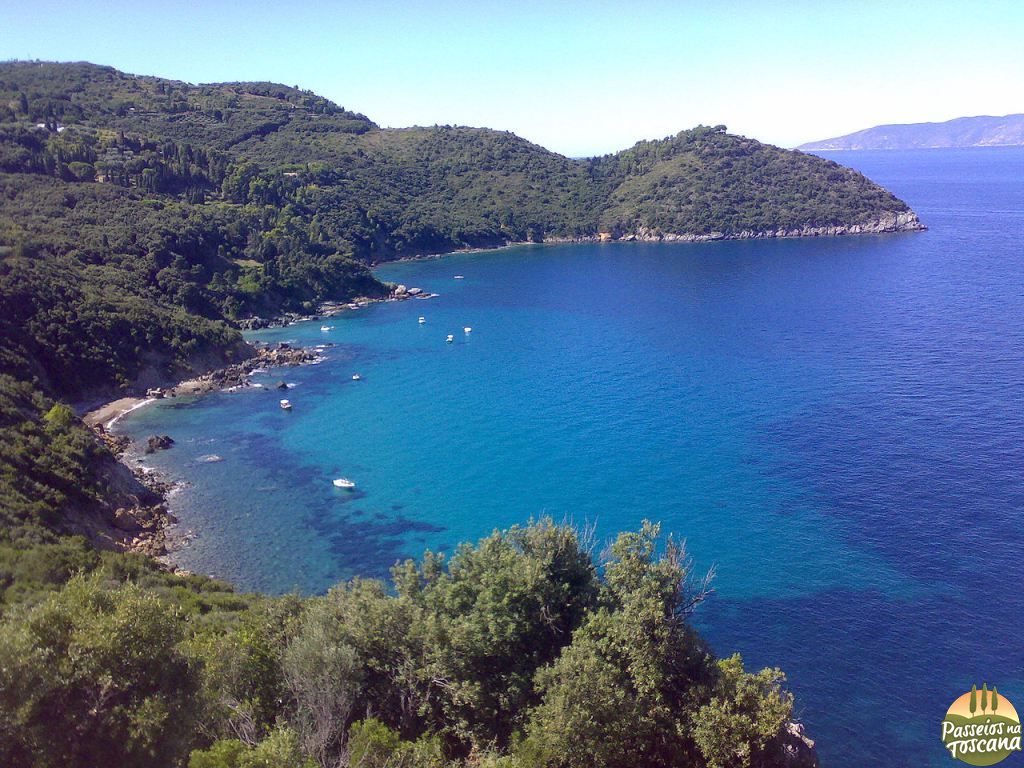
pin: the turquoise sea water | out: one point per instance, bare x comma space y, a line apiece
836, 425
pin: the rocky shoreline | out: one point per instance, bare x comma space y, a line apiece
142, 526
907, 221
237, 375
137, 518
333, 309
140, 522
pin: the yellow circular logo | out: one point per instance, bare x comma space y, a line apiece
981, 727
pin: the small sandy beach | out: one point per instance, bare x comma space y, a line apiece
107, 414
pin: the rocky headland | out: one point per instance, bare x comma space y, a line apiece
889, 222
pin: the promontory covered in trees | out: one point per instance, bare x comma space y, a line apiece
142, 220
142, 212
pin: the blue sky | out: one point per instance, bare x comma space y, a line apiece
580, 78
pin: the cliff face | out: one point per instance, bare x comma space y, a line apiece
129, 512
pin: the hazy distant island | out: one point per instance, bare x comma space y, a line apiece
982, 131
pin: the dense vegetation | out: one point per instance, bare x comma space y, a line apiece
514, 653
139, 215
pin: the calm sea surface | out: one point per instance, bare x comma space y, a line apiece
835, 424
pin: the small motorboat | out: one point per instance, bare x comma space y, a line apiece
356, 377
450, 338
467, 329
460, 277
326, 328
344, 482
286, 405
423, 320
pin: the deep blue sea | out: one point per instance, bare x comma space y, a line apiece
835, 424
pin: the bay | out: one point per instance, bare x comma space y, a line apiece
836, 425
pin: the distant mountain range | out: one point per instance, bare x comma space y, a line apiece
982, 131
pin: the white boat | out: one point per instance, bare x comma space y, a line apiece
423, 320
344, 482
467, 329
459, 277
450, 338
356, 377
286, 405
326, 328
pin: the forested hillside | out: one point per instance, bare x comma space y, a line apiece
140, 217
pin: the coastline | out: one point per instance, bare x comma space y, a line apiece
138, 518
141, 525
106, 415
889, 223
157, 518
108, 412
906, 221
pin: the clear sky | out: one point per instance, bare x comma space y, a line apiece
580, 78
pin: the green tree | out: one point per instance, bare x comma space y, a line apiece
973, 706
501, 610
371, 744
225, 753
280, 749
94, 676
627, 688
984, 697
325, 677
243, 685
744, 722
995, 700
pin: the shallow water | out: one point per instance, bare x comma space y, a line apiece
835, 424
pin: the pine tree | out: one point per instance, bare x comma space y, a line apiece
984, 697
974, 700
995, 700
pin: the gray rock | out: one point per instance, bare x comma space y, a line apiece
124, 520
158, 443
798, 749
